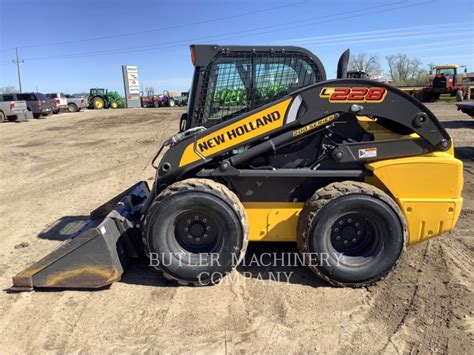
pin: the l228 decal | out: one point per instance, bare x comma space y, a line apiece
353, 94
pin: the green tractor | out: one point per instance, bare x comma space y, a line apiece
102, 98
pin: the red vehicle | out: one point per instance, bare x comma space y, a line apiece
151, 100
447, 80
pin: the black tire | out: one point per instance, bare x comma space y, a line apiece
98, 103
55, 112
72, 107
459, 96
2, 116
196, 220
357, 224
36, 115
10, 118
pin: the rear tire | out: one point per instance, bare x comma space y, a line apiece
197, 231
98, 103
72, 107
459, 96
351, 234
2, 116
171, 103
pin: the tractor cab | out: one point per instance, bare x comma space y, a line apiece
229, 81
447, 76
97, 92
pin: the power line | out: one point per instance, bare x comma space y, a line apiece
239, 34
130, 34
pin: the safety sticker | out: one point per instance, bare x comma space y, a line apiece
367, 153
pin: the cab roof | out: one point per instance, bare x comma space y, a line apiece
447, 66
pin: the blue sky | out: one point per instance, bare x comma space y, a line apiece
71, 46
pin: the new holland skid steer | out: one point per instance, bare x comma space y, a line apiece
349, 169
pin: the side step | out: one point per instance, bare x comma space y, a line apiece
97, 255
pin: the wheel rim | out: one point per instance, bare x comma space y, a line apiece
98, 104
357, 236
196, 232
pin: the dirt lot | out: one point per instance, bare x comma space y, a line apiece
68, 164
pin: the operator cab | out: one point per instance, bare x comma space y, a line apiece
229, 81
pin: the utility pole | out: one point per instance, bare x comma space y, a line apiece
17, 62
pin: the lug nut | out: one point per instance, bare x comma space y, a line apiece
338, 237
189, 236
357, 224
196, 218
208, 228
336, 229
341, 223
204, 220
359, 233
205, 235
198, 239
186, 229
354, 240
188, 221
349, 220
346, 242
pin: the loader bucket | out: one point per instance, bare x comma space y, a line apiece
96, 255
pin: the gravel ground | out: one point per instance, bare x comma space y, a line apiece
66, 165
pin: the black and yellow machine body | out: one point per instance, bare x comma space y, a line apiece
348, 167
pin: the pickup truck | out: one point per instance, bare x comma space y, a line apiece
75, 103
13, 110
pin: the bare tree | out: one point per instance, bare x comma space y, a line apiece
8, 89
364, 62
403, 69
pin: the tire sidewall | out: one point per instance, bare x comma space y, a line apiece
319, 239
160, 237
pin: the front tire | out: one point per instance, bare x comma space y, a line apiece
196, 232
351, 234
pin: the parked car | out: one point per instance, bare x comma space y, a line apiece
36, 102
60, 99
75, 103
13, 110
54, 106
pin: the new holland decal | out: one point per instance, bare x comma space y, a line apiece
353, 94
236, 133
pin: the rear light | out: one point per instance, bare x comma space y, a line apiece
12, 106
193, 55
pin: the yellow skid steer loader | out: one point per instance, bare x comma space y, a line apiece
269, 150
